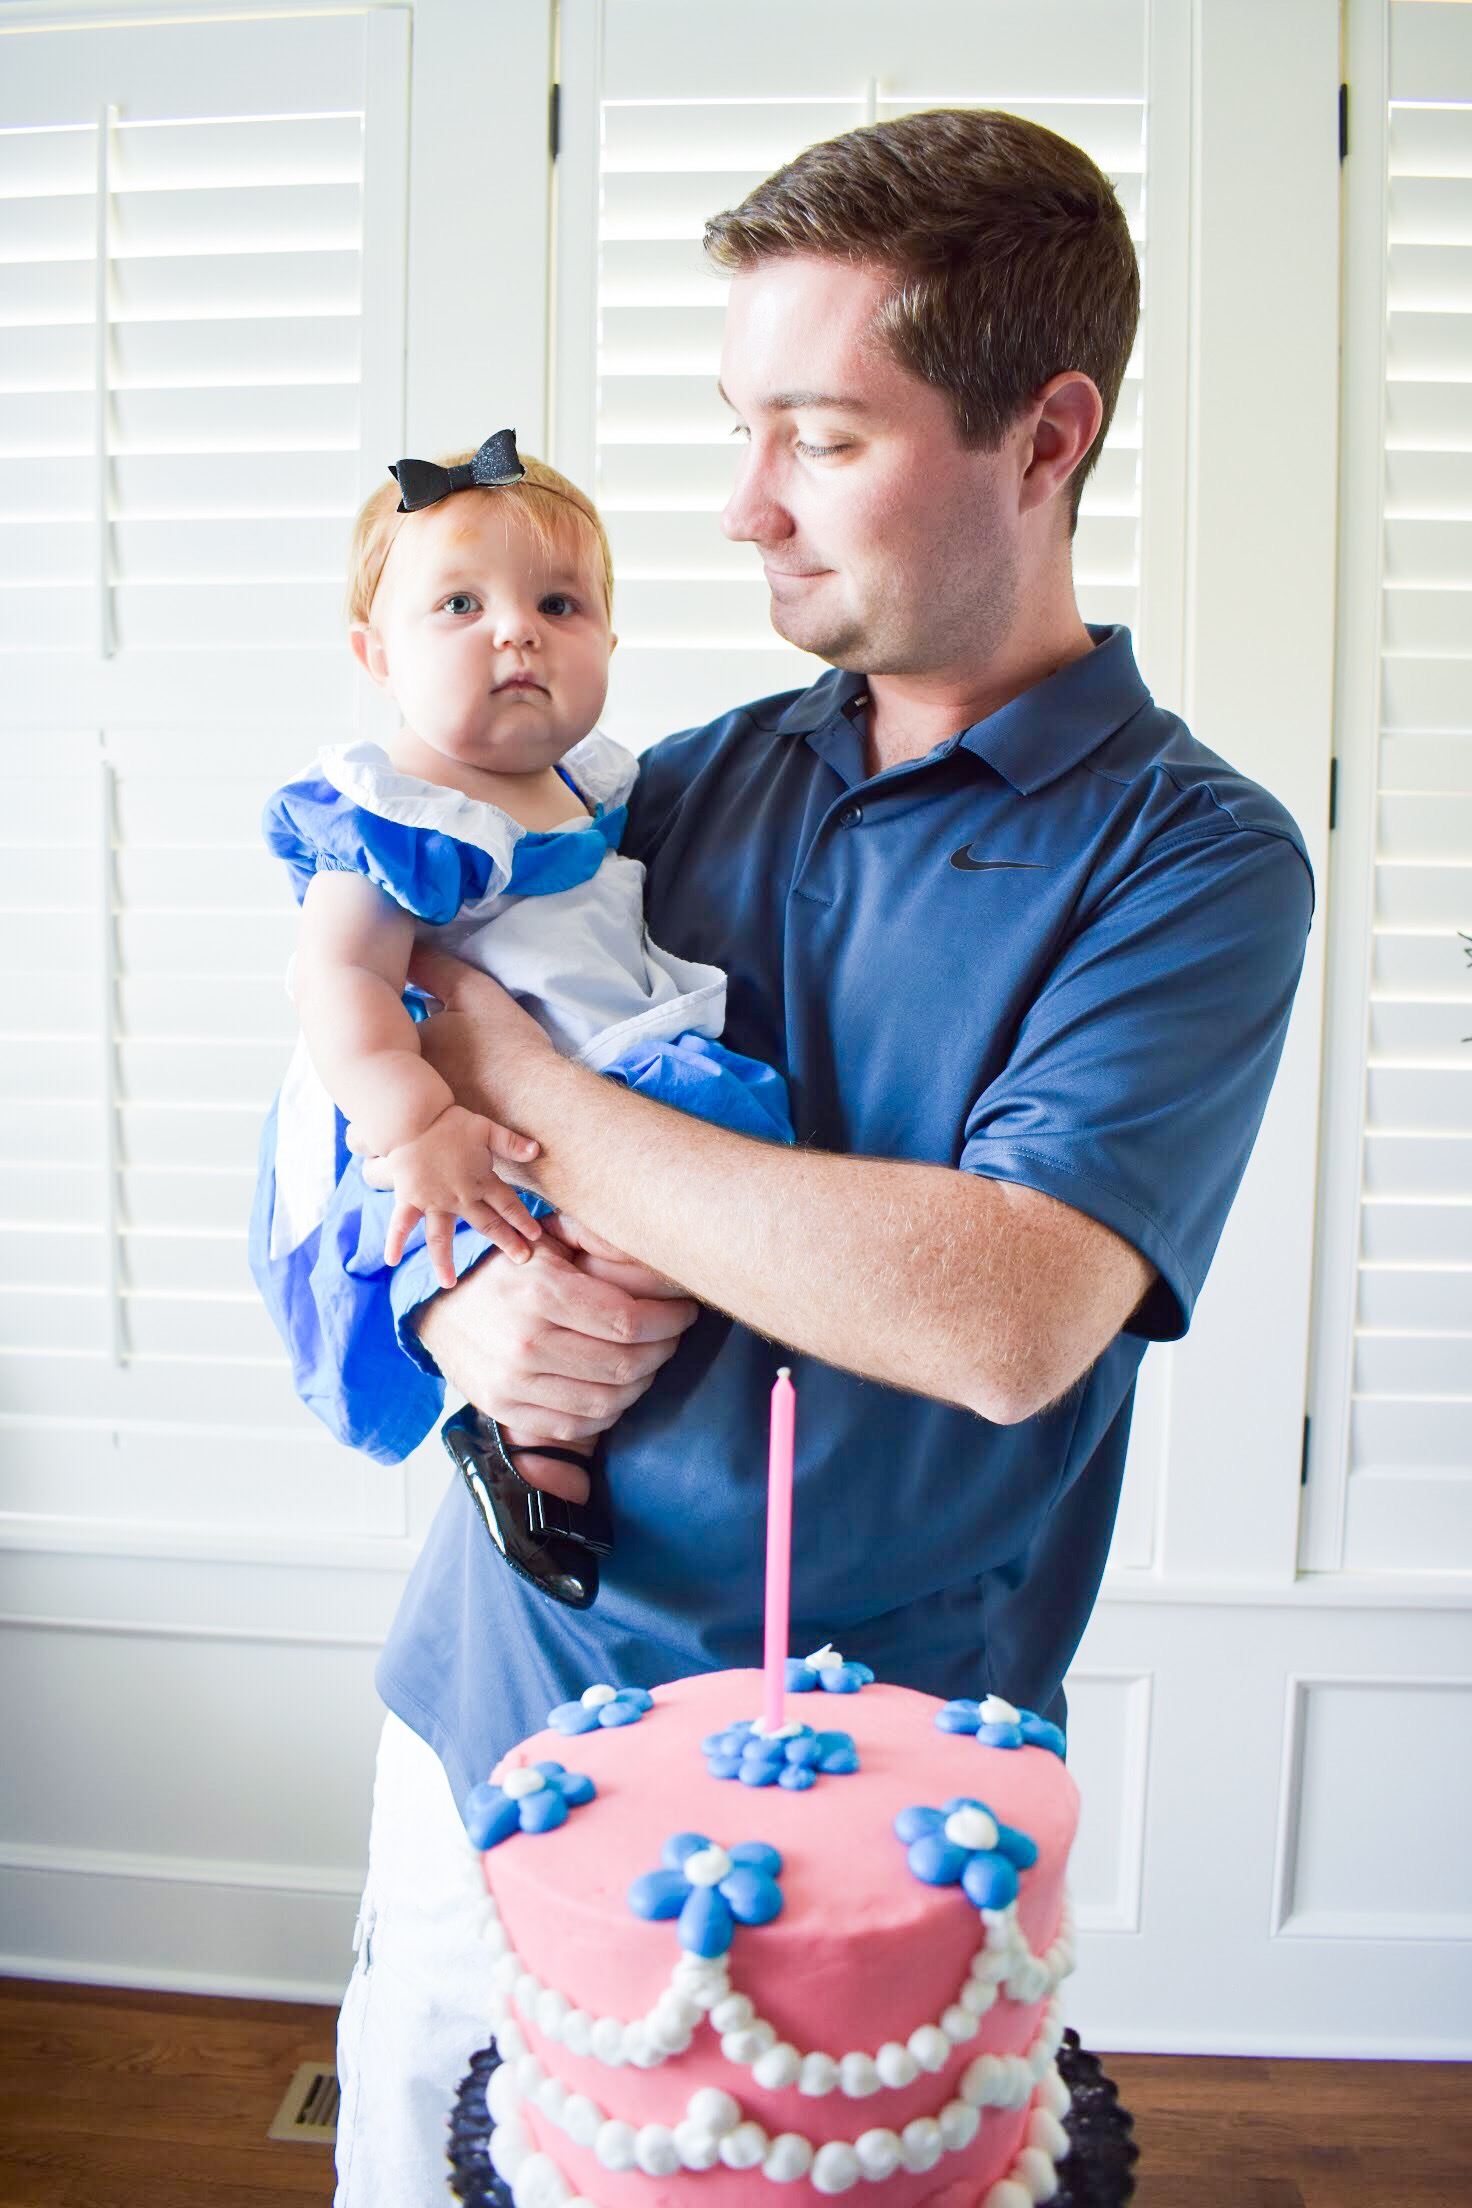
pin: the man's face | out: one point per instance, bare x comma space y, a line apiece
889, 546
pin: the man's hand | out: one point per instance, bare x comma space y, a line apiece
558, 1348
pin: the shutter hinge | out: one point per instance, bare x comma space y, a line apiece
1303, 1460
1343, 120
1333, 795
554, 121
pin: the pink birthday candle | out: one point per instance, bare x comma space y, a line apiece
779, 1547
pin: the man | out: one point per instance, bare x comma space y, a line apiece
1024, 953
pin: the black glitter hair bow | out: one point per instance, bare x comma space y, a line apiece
425, 482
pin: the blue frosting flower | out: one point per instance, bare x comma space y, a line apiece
825, 1668
963, 1844
534, 1799
793, 1760
996, 1724
600, 1706
710, 1889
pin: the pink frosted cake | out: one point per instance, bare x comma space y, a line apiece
825, 1961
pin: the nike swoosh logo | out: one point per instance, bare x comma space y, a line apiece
965, 864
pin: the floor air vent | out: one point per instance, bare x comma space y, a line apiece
308, 2112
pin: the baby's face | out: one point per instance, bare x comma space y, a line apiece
494, 648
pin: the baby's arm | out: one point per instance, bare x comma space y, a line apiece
352, 960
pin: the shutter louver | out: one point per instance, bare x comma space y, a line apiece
182, 433
686, 127
1408, 1486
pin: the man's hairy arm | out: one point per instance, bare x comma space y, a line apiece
975, 1292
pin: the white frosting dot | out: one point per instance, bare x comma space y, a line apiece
511, 2040
994, 1711
713, 2110
825, 1658
529, 2075
1045, 2131
778, 2067
921, 2144
614, 2145
582, 2119
552, 2010
959, 2024
971, 1828
707, 1867
879, 2153
593, 1698
639, 2048
748, 2046
552, 2099
959, 2124
511, 2143
699, 2149
577, 2032
981, 2082
526, 1993
930, 2047
539, 2183
1006, 2194
819, 2075
505, 1971
789, 1731
745, 2148
1035, 2170
733, 2014
858, 2076
607, 2040
835, 2168
788, 2158
1054, 2096
503, 2094
896, 2065
977, 1996
518, 1784
655, 2151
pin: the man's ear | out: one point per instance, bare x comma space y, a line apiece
1067, 414
368, 651
612, 643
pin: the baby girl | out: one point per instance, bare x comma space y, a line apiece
488, 826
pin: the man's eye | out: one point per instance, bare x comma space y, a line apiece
557, 605
817, 452
459, 601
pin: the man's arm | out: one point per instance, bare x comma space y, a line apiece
973, 1291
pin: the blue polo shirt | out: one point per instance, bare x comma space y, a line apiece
1059, 950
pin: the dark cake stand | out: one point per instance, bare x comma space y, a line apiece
1098, 2171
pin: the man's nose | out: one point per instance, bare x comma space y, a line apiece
754, 514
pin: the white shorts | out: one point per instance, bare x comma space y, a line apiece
418, 2003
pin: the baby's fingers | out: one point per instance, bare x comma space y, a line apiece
497, 1228
439, 1240
406, 1218
506, 1143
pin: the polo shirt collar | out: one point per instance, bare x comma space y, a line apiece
1034, 738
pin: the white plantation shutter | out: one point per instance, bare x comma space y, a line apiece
685, 122
1392, 1483
199, 222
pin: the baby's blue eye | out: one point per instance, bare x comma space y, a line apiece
557, 605
460, 602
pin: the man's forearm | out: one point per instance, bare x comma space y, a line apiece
920, 1276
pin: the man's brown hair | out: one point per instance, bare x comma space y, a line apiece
557, 514
1011, 255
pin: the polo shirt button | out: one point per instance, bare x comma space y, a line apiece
850, 816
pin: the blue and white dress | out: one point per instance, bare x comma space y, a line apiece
557, 917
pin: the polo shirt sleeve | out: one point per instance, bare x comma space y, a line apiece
1139, 1075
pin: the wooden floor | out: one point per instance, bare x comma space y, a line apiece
112, 2099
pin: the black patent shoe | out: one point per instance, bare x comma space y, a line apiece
552, 1544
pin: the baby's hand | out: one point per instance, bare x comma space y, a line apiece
449, 1173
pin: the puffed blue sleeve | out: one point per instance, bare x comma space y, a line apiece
1140, 1074
313, 828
